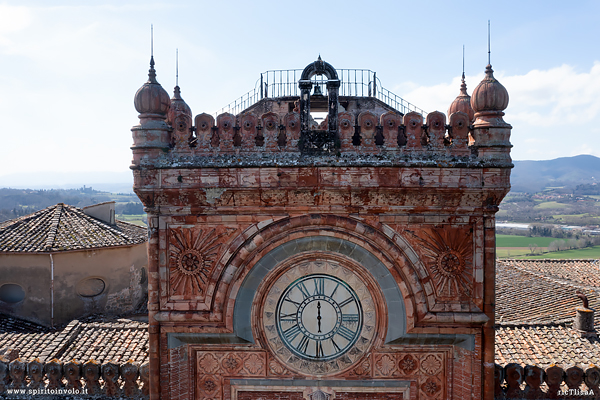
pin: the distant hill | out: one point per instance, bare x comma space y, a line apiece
535, 176
18, 202
108, 181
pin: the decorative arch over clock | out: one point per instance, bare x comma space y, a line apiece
310, 253
405, 274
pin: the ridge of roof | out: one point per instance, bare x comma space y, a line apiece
53, 226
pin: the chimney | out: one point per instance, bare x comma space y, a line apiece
103, 211
584, 318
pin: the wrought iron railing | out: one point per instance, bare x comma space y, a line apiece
353, 82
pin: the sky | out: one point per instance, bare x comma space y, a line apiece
70, 69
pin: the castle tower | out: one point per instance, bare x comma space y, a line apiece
351, 259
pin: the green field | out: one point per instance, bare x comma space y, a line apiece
511, 253
512, 246
588, 252
133, 219
522, 241
550, 205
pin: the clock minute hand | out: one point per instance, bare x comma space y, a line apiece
319, 315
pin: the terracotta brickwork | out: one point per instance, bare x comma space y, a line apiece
348, 260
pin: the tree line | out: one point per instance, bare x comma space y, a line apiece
15, 203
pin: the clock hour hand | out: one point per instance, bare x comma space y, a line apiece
319, 315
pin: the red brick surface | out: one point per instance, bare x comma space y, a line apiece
423, 207
270, 396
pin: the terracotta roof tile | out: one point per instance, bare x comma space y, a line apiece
535, 307
543, 292
116, 340
545, 345
61, 228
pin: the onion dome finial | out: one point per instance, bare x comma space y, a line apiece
151, 100
462, 102
178, 106
489, 95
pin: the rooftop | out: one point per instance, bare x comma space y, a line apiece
535, 309
537, 292
61, 228
114, 339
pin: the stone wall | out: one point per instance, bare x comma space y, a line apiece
514, 381
73, 380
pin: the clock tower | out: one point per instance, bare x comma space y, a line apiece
321, 239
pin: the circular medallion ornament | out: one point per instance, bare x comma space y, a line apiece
319, 318
190, 261
450, 263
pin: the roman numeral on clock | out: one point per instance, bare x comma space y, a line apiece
319, 286
346, 333
349, 318
337, 348
288, 317
319, 349
291, 333
304, 290
347, 301
287, 298
303, 345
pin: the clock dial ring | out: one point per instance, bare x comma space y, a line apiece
346, 270
319, 317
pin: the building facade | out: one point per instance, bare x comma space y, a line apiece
63, 263
348, 259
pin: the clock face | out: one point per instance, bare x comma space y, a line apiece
319, 317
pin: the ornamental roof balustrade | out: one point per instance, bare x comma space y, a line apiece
282, 83
321, 111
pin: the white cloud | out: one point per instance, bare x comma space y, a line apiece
12, 19
558, 96
554, 112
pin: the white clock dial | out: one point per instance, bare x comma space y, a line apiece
319, 317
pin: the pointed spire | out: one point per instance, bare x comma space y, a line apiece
177, 90
462, 102
319, 59
152, 71
463, 74
178, 105
489, 47
151, 100
463, 85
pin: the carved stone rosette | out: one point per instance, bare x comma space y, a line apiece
192, 256
448, 255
